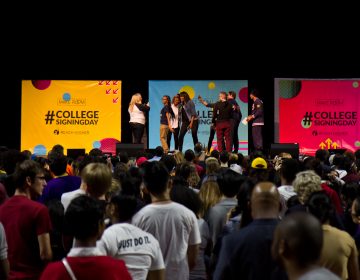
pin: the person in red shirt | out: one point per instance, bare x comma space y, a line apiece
84, 218
27, 223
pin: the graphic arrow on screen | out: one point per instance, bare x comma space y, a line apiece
328, 142
108, 91
115, 91
322, 145
115, 100
334, 145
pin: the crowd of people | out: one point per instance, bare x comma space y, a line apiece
190, 215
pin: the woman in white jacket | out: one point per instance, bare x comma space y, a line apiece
137, 112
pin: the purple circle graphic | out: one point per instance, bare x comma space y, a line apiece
243, 94
41, 84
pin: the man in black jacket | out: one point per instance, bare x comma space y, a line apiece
222, 118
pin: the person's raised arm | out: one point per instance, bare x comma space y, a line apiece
143, 107
202, 101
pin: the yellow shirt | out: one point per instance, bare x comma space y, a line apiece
337, 248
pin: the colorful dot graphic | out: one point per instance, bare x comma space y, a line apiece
190, 90
211, 85
305, 123
66, 96
41, 84
243, 94
96, 145
40, 150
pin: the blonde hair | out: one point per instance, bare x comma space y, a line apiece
211, 165
97, 177
134, 99
233, 157
210, 195
179, 157
305, 183
194, 177
114, 188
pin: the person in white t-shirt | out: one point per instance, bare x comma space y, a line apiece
137, 112
4, 262
139, 249
172, 224
96, 178
174, 122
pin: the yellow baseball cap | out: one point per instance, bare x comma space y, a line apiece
259, 163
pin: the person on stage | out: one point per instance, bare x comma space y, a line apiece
212, 126
257, 119
235, 120
165, 122
137, 112
188, 118
174, 122
222, 118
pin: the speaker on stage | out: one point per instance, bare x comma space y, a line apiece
131, 149
290, 148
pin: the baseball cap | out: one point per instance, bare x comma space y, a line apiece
140, 161
259, 163
237, 168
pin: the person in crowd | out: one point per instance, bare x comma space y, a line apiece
339, 253
137, 111
240, 251
212, 167
159, 152
355, 216
288, 170
96, 178
210, 195
27, 223
188, 118
10, 158
229, 184
257, 119
200, 154
297, 244
305, 183
61, 182
323, 156
4, 262
139, 249
56, 150
180, 193
259, 169
84, 219
180, 239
